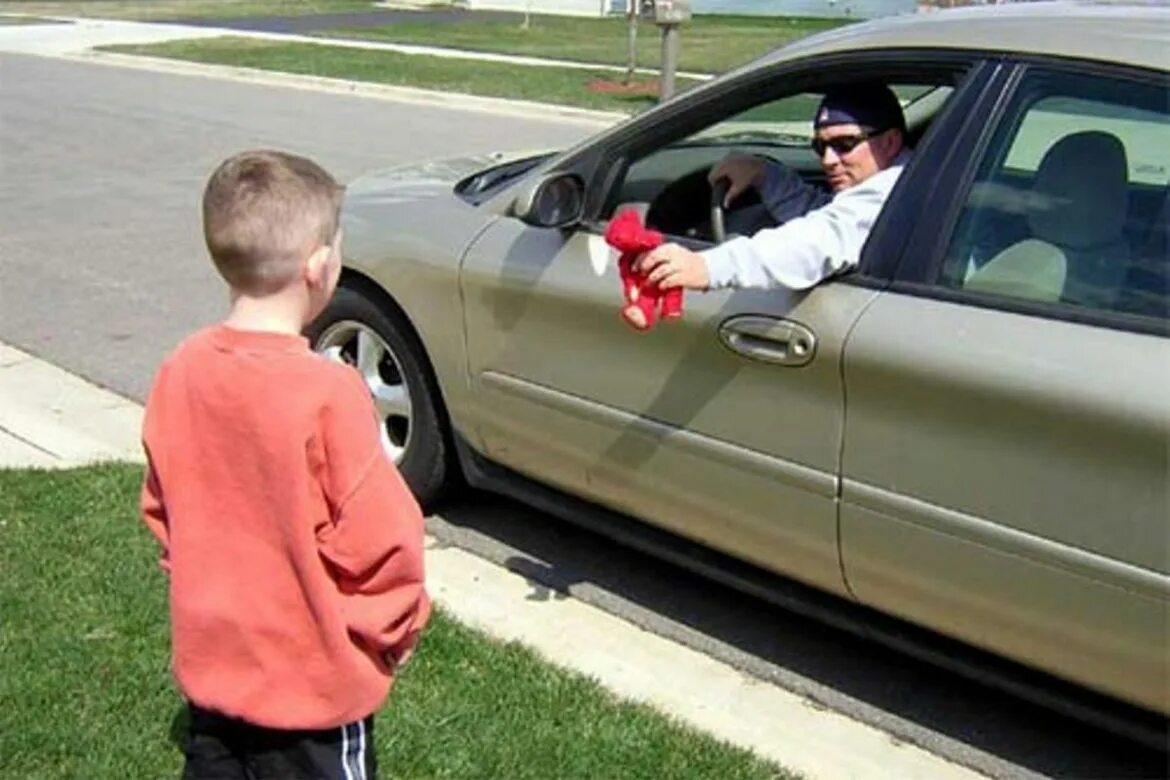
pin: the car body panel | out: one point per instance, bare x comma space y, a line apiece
669, 425
1128, 33
1001, 483
405, 230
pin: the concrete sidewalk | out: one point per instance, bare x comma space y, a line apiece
50, 418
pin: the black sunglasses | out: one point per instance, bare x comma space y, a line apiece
843, 144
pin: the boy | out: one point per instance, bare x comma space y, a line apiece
293, 546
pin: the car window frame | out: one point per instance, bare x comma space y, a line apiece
925, 252
769, 84
938, 160
598, 160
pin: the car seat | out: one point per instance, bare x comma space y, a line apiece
1076, 214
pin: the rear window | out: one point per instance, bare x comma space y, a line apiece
1144, 134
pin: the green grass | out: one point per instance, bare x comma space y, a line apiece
180, 9
86, 691
567, 86
708, 44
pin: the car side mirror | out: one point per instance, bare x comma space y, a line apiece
554, 200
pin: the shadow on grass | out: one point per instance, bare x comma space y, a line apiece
180, 722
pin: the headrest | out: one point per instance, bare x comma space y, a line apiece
1081, 191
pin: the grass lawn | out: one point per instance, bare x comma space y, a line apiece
180, 9
707, 44
568, 86
86, 692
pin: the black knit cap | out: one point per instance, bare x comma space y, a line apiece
868, 104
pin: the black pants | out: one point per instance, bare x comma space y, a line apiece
223, 748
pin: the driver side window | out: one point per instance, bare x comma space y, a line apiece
669, 186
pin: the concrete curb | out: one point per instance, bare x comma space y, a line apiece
700, 691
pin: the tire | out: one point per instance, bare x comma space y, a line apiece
415, 431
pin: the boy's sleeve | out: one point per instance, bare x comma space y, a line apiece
375, 541
154, 514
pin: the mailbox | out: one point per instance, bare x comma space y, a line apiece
666, 11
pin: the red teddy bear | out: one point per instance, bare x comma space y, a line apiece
627, 235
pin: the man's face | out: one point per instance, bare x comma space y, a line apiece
849, 154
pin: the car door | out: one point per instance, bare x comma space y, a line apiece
724, 426
1005, 462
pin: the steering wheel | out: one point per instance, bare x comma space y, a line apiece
718, 193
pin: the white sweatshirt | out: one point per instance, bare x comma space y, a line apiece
806, 250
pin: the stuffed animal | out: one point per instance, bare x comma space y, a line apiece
642, 300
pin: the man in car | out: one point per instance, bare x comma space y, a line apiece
859, 136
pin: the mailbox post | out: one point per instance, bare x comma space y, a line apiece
667, 14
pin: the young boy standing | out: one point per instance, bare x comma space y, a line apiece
293, 546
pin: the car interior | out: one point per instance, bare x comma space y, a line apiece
1104, 247
1086, 227
669, 185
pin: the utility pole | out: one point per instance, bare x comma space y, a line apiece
669, 60
667, 14
632, 41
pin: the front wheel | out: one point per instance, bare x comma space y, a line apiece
381, 345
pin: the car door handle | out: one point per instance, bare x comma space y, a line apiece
771, 340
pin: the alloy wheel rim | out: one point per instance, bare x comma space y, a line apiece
358, 345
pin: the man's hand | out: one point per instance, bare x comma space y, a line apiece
741, 171
671, 265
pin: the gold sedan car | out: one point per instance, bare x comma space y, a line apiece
968, 432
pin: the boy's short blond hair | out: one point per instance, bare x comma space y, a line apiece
264, 212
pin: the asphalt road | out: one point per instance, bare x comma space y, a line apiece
103, 268
102, 271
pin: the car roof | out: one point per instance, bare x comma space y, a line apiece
1132, 33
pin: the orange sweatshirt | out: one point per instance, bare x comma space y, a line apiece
294, 547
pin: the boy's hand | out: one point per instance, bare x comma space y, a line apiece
398, 658
394, 660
